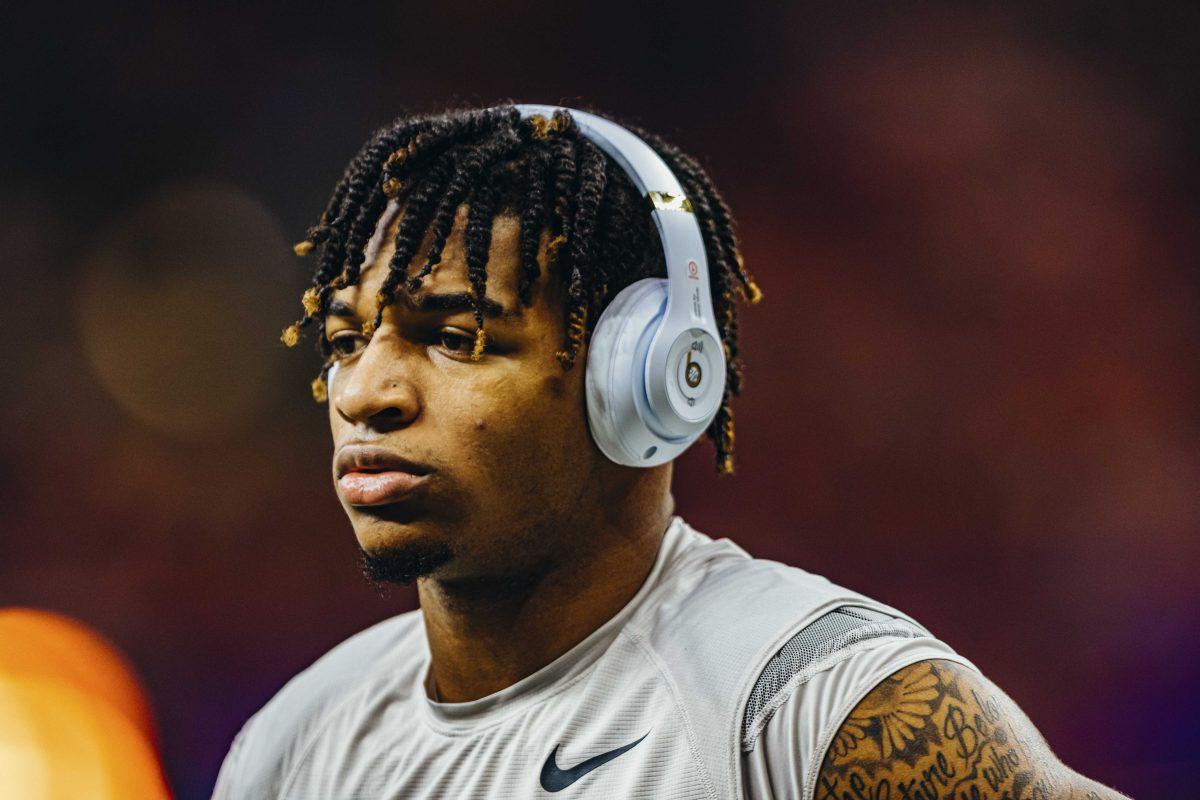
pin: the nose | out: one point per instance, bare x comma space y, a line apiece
375, 389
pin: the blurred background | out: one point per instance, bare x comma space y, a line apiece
971, 388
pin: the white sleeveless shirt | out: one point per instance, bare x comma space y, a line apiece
725, 676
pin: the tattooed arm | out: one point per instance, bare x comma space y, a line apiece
936, 730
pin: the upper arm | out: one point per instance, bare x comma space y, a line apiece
937, 729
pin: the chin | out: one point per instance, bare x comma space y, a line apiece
381, 528
392, 553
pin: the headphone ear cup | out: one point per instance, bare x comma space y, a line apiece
615, 380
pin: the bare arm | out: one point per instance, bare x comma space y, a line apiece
936, 730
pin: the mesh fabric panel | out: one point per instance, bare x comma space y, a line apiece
821, 639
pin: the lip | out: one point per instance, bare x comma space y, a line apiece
374, 458
369, 475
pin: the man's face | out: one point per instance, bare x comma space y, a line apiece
505, 441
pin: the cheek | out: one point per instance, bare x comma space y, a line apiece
530, 422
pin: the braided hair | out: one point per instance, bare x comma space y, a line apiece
547, 174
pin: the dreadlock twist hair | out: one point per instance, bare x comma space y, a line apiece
547, 174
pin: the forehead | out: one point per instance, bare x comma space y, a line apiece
449, 275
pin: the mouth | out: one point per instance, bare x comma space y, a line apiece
370, 475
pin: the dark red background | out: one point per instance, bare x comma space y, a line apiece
971, 389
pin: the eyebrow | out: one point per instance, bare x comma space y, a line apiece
446, 301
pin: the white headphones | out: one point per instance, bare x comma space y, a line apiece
655, 366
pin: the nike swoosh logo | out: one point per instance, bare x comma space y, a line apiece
555, 779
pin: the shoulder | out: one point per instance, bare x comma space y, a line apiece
284, 725
806, 692
938, 729
813, 679
829, 664
717, 580
738, 636
718, 599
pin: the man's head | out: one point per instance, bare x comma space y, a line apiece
451, 341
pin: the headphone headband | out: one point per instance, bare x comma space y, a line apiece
689, 302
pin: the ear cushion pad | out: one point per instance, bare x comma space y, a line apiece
615, 377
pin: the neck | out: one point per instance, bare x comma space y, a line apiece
486, 635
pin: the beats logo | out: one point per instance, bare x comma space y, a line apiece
692, 373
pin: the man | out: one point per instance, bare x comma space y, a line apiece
575, 634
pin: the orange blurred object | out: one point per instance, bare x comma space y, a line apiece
43, 644
58, 743
74, 720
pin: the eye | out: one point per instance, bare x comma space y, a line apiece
456, 341
346, 343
